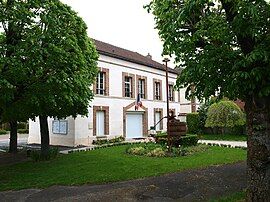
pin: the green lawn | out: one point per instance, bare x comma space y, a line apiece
223, 137
236, 197
106, 165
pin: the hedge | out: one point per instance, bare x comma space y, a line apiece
3, 132
186, 141
23, 131
193, 123
190, 140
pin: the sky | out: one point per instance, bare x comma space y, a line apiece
124, 23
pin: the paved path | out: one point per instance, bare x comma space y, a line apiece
232, 143
193, 185
22, 140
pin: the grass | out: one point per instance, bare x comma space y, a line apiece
236, 197
227, 137
106, 165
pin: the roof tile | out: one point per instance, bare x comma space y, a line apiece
130, 56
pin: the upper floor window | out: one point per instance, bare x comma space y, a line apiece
100, 83
141, 88
157, 91
171, 93
128, 86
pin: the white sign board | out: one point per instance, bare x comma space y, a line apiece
60, 127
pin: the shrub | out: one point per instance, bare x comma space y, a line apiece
190, 140
155, 150
22, 125
203, 114
5, 126
158, 152
23, 131
117, 139
224, 114
193, 123
144, 149
161, 138
3, 132
108, 141
36, 155
137, 150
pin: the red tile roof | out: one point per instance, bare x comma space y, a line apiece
130, 56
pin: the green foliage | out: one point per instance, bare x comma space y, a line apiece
3, 132
203, 109
193, 123
224, 46
109, 141
56, 60
22, 125
224, 114
36, 155
157, 150
189, 140
148, 149
185, 141
23, 131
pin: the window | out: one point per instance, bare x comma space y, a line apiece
171, 96
128, 86
60, 127
158, 120
100, 83
157, 91
141, 88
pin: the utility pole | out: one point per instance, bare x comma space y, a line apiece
166, 60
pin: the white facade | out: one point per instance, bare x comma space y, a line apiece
80, 131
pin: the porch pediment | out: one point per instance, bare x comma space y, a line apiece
131, 108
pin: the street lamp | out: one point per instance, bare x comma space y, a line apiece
166, 60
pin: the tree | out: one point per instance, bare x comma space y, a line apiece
224, 46
9, 59
202, 111
224, 114
58, 63
68, 67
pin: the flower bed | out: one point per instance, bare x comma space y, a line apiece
157, 150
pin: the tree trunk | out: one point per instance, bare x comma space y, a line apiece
258, 159
45, 139
13, 137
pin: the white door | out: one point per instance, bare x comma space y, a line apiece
100, 123
157, 118
134, 125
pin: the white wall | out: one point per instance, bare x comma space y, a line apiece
55, 139
81, 130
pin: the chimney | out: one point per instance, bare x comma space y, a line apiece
149, 56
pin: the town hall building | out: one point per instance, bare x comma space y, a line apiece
122, 77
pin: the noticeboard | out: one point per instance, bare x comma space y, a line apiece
60, 127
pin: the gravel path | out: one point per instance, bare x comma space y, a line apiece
192, 185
